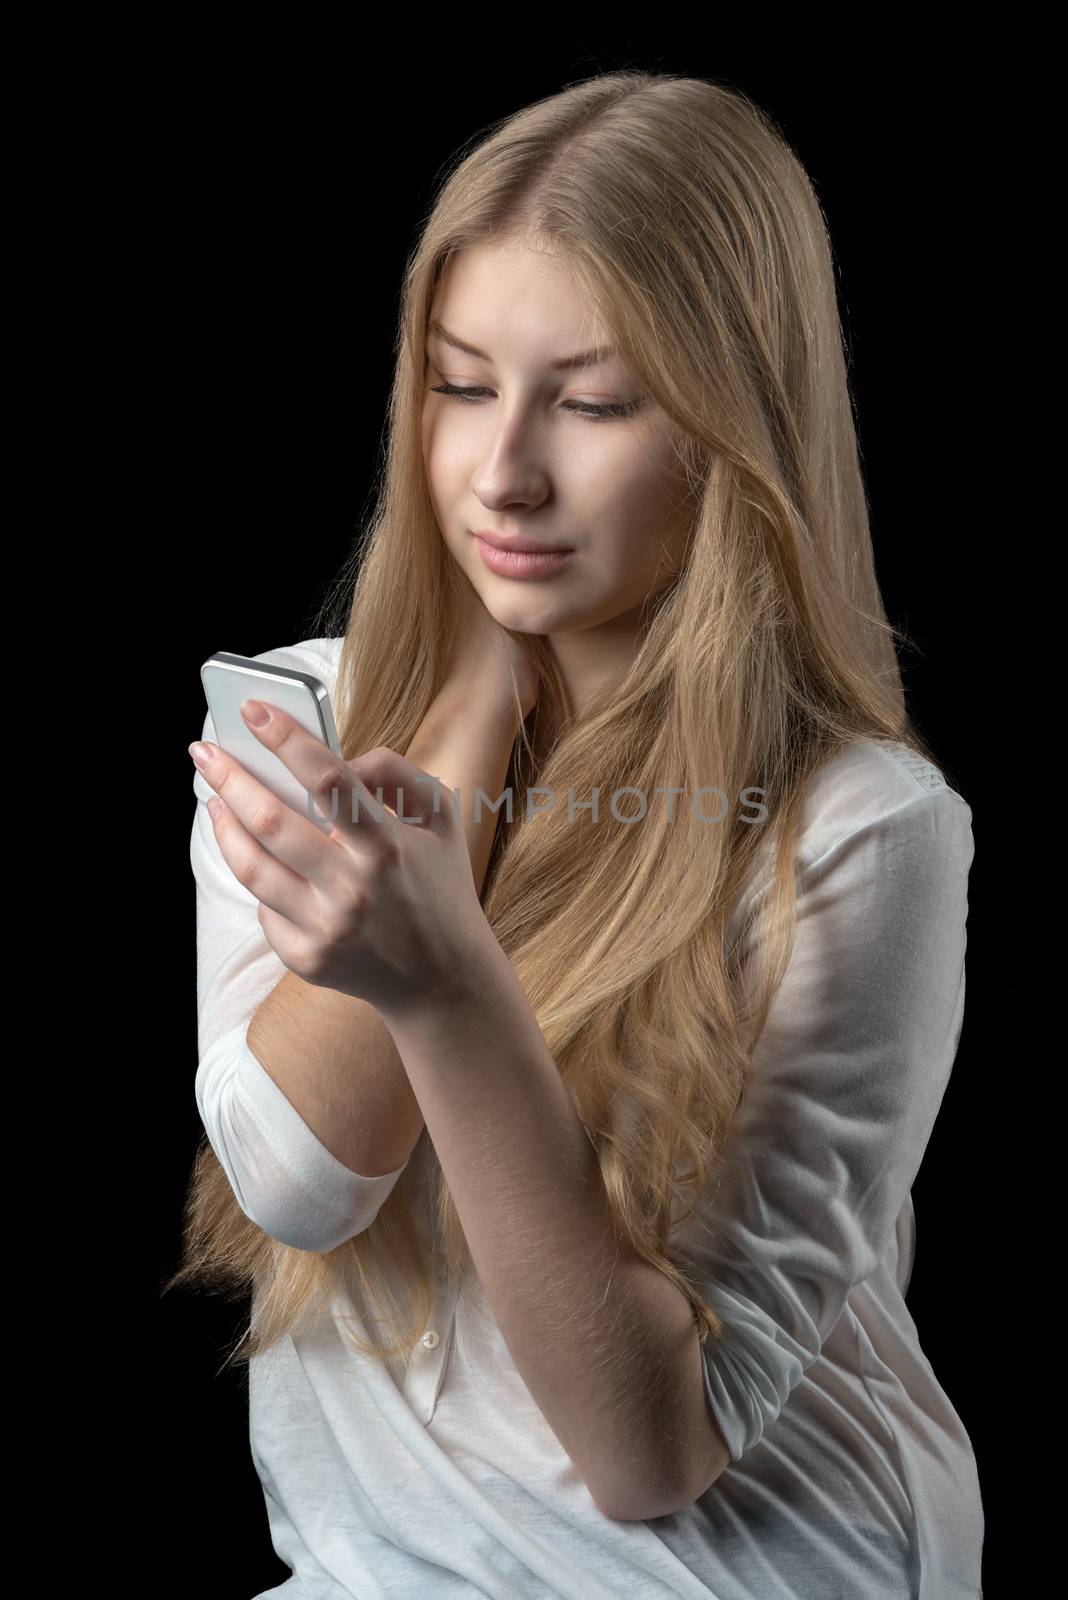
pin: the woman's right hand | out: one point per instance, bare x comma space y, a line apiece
484, 655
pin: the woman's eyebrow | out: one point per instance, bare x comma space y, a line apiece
581, 358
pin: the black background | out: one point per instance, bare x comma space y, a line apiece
268, 198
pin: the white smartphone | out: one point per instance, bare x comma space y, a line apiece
228, 681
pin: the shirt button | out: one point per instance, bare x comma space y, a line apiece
430, 1339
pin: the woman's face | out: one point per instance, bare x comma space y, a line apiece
519, 459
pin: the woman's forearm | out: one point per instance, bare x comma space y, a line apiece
330, 1053
606, 1344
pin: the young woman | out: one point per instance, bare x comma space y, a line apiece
567, 1147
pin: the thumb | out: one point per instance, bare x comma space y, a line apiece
412, 794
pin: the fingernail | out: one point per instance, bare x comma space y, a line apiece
201, 753
255, 711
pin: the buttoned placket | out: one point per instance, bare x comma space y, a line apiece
426, 1369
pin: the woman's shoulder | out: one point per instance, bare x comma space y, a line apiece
871, 788
875, 781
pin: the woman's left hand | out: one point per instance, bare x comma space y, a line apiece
378, 908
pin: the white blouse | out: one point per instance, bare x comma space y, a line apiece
851, 1473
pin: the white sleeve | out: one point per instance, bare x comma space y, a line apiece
283, 1177
847, 1081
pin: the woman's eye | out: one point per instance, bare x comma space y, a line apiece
580, 408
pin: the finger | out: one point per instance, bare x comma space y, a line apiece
339, 788
414, 795
287, 941
273, 883
294, 840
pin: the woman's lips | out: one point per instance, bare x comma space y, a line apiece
521, 563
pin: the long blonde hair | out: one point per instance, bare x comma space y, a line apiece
696, 235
